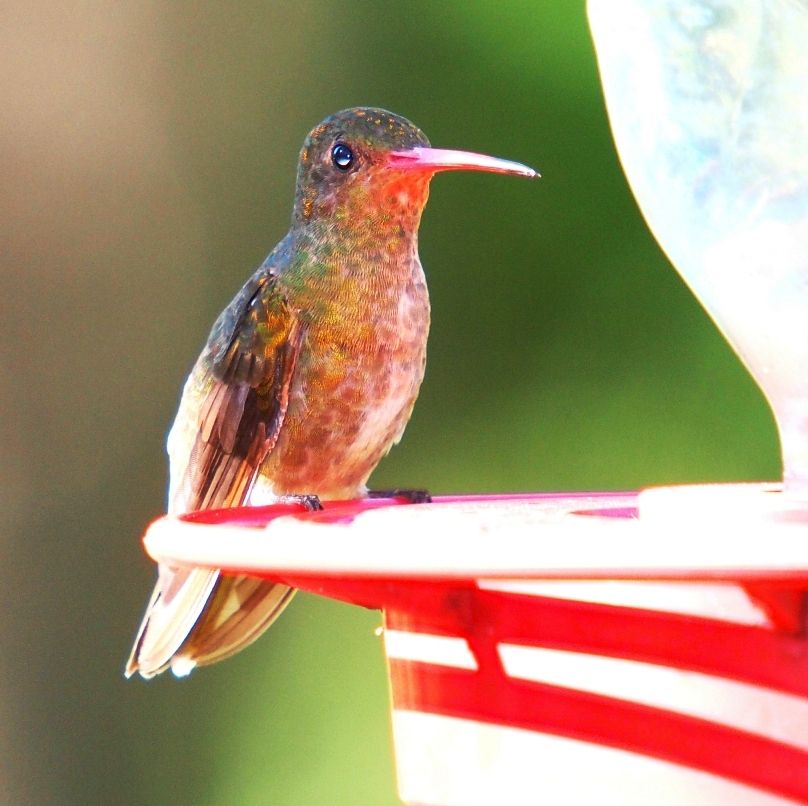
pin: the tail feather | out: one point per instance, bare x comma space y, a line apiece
197, 617
239, 611
178, 600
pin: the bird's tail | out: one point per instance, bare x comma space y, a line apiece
197, 617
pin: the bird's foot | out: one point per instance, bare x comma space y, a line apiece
311, 503
413, 496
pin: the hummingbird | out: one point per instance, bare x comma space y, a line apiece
309, 375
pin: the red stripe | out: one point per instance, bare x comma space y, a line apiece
344, 511
489, 696
756, 655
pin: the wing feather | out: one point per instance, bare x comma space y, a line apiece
229, 420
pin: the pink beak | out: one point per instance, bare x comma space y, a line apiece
442, 159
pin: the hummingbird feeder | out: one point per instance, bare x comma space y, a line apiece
611, 648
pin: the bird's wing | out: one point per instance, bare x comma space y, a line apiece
235, 400
230, 416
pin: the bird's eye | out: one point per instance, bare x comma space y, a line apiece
342, 156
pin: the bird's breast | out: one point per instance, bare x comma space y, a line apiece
354, 389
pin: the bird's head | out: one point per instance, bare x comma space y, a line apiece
371, 164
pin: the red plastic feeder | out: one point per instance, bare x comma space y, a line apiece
608, 648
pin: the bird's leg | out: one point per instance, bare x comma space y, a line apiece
413, 496
311, 503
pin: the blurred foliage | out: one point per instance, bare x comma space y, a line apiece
148, 152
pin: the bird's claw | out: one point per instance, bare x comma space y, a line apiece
311, 503
412, 496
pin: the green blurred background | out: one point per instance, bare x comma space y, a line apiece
148, 154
